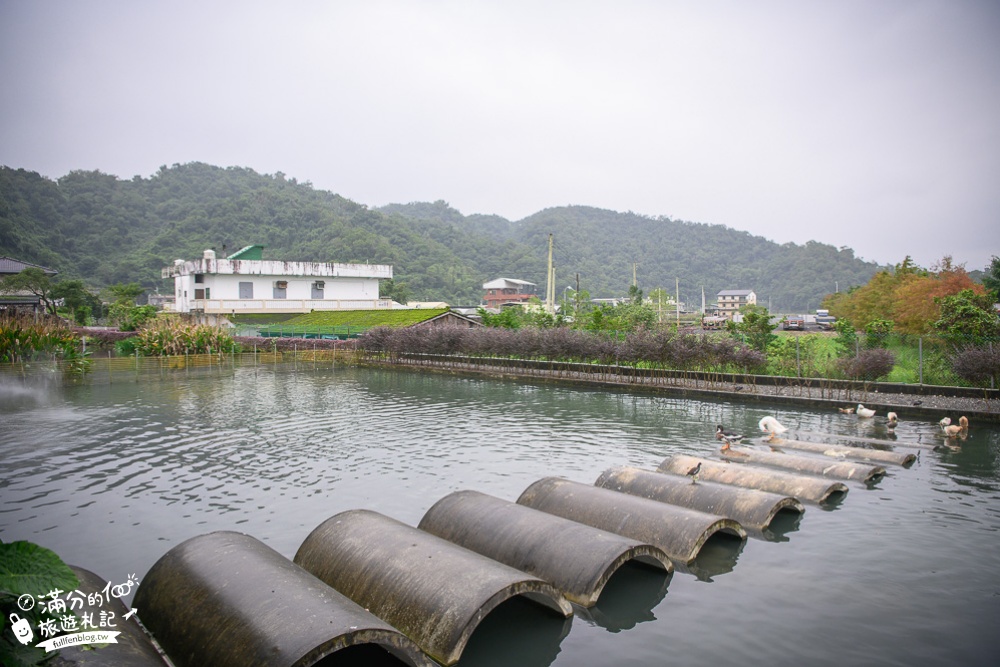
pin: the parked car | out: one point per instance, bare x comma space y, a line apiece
794, 323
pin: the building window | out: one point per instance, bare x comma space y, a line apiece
246, 290
317, 289
280, 289
199, 277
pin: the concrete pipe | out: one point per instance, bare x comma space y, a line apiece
227, 599
434, 591
801, 487
576, 559
753, 509
808, 465
678, 531
852, 453
133, 647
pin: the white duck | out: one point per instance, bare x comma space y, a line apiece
771, 426
944, 422
863, 412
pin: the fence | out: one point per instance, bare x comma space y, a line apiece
337, 332
919, 360
112, 369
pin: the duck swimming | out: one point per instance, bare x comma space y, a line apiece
864, 412
962, 429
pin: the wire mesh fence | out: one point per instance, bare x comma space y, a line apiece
115, 369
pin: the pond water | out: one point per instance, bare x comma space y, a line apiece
906, 572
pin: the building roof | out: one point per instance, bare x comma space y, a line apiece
10, 266
501, 283
255, 252
735, 292
229, 266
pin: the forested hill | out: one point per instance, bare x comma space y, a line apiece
602, 246
106, 230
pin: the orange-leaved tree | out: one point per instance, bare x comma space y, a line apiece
916, 308
904, 296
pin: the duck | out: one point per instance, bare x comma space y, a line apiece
728, 436
865, 413
771, 426
891, 420
944, 422
961, 429
693, 473
846, 411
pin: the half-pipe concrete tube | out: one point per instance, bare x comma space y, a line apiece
226, 599
680, 532
575, 558
753, 509
809, 465
801, 487
133, 647
853, 453
434, 591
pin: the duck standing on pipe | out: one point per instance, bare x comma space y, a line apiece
728, 437
772, 427
693, 473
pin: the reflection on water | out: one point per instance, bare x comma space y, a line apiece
716, 557
628, 598
783, 523
111, 477
517, 632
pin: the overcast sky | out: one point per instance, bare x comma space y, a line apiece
872, 124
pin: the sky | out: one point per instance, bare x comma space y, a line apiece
867, 124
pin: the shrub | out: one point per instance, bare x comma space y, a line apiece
23, 339
977, 365
868, 365
877, 333
165, 337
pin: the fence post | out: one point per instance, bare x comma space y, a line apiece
798, 363
920, 358
993, 380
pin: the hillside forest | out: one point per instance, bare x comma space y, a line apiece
106, 230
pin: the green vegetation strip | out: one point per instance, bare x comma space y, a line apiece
365, 318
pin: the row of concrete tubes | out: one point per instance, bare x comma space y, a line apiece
363, 585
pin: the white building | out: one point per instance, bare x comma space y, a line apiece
246, 283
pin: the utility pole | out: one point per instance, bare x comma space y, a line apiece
677, 300
576, 297
550, 290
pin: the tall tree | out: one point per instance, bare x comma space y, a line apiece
991, 280
32, 281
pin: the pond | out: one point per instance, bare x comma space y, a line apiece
906, 572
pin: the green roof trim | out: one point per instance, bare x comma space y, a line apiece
253, 252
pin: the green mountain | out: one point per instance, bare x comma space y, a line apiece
106, 230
